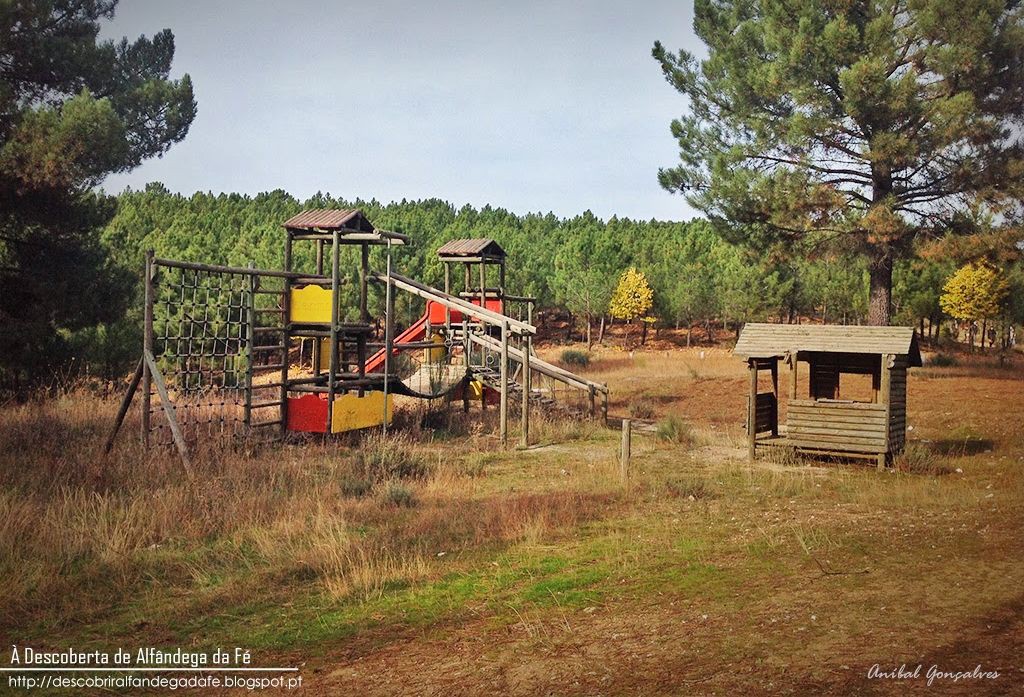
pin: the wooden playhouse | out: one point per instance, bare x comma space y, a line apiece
823, 420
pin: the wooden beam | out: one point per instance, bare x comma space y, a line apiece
126, 402
168, 406
147, 345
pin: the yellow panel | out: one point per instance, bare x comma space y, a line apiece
435, 355
475, 388
352, 412
311, 304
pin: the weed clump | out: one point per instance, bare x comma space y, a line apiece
355, 487
572, 357
399, 495
382, 458
690, 487
674, 430
917, 459
642, 408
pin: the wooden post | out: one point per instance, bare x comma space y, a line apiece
448, 291
286, 335
775, 392
503, 372
483, 284
524, 437
883, 398
250, 338
593, 405
752, 409
389, 335
332, 367
364, 280
625, 450
317, 342
793, 373
147, 346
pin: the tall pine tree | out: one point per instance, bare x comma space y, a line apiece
72, 110
861, 123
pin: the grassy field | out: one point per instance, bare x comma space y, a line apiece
435, 562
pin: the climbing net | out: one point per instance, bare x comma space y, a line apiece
202, 332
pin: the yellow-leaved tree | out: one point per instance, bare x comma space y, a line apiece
633, 297
975, 292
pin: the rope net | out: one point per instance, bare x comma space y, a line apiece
211, 349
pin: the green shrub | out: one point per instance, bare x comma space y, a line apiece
674, 430
572, 357
642, 408
942, 360
399, 495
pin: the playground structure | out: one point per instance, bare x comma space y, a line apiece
220, 342
825, 423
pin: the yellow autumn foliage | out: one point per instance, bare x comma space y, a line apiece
975, 291
633, 297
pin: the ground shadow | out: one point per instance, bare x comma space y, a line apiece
959, 447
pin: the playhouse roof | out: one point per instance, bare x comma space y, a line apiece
351, 222
758, 340
476, 247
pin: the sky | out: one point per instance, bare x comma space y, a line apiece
529, 106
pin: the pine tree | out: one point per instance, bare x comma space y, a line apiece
867, 123
72, 111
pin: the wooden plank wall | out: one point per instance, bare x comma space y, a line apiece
839, 426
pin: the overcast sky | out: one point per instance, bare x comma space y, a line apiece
531, 106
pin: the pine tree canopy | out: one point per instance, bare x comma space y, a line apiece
865, 124
72, 110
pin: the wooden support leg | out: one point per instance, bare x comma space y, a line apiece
126, 402
752, 411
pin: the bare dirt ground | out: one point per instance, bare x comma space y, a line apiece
888, 569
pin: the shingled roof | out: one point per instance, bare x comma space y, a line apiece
348, 221
758, 340
476, 247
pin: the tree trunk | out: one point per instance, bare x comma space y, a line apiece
689, 331
880, 298
600, 331
589, 342
643, 333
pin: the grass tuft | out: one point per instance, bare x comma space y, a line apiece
672, 429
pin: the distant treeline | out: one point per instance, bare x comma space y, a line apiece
699, 280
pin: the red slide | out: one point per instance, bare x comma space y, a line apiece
413, 333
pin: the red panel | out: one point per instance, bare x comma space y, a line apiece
307, 413
436, 311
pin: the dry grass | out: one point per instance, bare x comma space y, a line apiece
87, 530
538, 555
